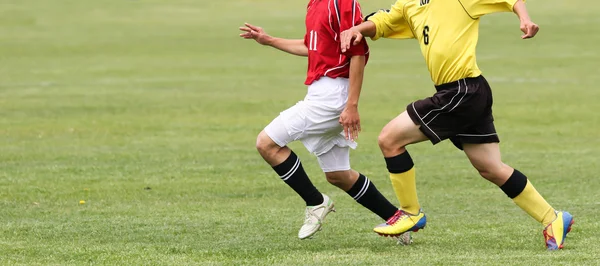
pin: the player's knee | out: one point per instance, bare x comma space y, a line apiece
388, 144
264, 144
496, 173
485, 173
383, 140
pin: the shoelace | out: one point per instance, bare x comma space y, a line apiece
397, 216
310, 213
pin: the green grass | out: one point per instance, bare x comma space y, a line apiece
100, 100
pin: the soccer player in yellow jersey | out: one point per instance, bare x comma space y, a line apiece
460, 110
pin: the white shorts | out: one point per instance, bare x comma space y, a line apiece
315, 122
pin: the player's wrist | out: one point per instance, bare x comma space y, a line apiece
268, 40
352, 105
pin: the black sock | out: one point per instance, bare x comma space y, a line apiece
365, 193
292, 173
515, 184
399, 163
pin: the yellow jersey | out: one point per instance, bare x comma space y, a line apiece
447, 31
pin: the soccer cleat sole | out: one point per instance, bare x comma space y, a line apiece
397, 235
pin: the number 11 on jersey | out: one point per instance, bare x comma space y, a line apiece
312, 45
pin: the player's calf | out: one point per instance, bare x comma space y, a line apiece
360, 188
342, 179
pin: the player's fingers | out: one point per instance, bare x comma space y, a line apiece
531, 30
354, 132
358, 39
536, 28
246, 29
250, 26
254, 34
343, 41
346, 130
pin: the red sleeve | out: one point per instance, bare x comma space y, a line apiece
348, 15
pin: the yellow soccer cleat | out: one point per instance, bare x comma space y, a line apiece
556, 232
401, 223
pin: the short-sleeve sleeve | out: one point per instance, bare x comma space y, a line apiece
391, 23
349, 15
478, 8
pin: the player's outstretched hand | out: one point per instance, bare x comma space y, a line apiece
529, 29
348, 36
350, 120
256, 33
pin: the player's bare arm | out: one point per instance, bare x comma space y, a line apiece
350, 118
528, 28
354, 35
291, 46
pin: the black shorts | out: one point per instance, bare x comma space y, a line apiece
460, 111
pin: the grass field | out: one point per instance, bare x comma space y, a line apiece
148, 110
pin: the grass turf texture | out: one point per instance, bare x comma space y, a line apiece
99, 100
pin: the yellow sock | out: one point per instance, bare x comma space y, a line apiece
535, 205
405, 187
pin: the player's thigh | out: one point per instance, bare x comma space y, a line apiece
289, 126
335, 159
453, 109
401, 131
323, 131
486, 158
483, 156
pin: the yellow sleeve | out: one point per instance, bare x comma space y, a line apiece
478, 8
391, 23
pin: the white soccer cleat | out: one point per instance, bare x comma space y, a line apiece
314, 217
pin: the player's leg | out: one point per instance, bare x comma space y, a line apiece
435, 118
287, 165
394, 138
336, 165
271, 144
487, 160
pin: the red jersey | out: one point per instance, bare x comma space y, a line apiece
325, 20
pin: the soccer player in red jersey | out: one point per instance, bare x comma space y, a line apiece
327, 120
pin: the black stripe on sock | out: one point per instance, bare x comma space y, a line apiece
283, 168
359, 187
399, 163
515, 184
